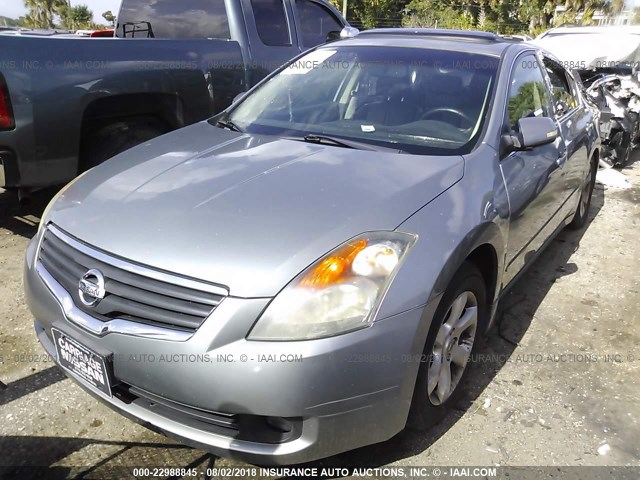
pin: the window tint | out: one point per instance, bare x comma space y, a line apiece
271, 22
527, 93
559, 87
171, 19
316, 23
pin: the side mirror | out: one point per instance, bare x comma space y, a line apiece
532, 132
537, 131
348, 32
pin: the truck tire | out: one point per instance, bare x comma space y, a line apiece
109, 140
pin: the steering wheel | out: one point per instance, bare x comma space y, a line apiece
458, 113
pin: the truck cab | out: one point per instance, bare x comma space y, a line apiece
68, 103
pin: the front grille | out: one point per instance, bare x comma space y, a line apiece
129, 295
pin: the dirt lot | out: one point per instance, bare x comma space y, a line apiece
558, 383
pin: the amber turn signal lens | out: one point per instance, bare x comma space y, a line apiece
335, 268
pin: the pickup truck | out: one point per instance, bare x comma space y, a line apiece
67, 104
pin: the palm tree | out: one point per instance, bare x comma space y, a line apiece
41, 12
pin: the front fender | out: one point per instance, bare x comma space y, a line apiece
471, 213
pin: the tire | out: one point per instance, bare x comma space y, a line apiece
582, 211
445, 347
623, 149
109, 140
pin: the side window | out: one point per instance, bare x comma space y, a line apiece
316, 22
562, 93
171, 19
573, 85
271, 22
527, 92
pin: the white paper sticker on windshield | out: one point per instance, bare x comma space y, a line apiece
308, 62
368, 128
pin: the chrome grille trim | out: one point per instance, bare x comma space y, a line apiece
173, 293
137, 269
99, 328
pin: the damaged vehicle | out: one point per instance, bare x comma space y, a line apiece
323, 256
618, 98
605, 60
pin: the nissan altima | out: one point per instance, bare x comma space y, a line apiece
309, 271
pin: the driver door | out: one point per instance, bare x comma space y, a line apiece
534, 177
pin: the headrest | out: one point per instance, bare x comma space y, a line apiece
445, 83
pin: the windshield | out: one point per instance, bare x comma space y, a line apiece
415, 100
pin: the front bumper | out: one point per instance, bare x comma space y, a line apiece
339, 393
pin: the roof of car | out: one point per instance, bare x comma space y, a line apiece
462, 40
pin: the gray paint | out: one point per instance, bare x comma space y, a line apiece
251, 212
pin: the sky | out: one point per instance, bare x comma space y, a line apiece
15, 8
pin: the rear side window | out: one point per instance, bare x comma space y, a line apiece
562, 93
316, 21
527, 92
173, 19
271, 22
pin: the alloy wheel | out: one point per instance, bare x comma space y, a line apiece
452, 348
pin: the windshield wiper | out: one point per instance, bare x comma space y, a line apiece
340, 142
228, 124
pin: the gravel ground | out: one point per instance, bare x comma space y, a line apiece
556, 384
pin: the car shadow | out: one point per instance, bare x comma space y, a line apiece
34, 457
23, 218
30, 384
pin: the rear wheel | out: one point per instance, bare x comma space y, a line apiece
458, 321
582, 212
109, 140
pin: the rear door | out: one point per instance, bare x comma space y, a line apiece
314, 22
533, 178
573, 120
271, 33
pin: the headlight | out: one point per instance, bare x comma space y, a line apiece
339, 293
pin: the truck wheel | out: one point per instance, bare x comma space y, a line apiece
114, 138
459, 319
582, 212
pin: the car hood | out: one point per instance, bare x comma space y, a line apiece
247, 212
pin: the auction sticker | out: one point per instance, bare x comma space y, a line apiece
83, 362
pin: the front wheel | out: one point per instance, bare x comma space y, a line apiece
458, 321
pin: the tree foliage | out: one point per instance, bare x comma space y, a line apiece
110, 18
76, 18
502, 16
42, 12
57, 13
373, 13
